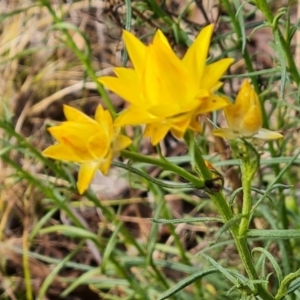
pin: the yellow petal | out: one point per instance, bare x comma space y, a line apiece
156, 83
166, 59
86, 174
165, 110
60, 152
134, 116
73, 131
195, 57
75, 136
73, 114
252, 121
213, 72
156, 132
181, 122
195, 124
202, 93
98, 145
217, 86
177, 133
245, 114
159, 38
127, 86
104, 118
136, 50
180, 126
120, 143
233, 116
105, 164
77, 152
268, 135
126, 74
214, 102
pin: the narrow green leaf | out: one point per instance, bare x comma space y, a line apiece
269, 216
186, 220
283, 170
227, 225
240, 17
234, 194
281, 56
294, 286
110, 246
70, 231
275, 233
222, 270
42, 222
151, 179
127, 27
154, 231
283, 289
83, 279
256, 73
272, 261
187, 281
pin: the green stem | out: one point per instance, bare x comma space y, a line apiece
226, 213
197, 158
240, 243
165, 164
247, 200
149, 178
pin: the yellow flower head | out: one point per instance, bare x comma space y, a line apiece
244, 117
167, 93
90, 142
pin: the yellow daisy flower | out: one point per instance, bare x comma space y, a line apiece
167, 93
90, 142
244, 117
